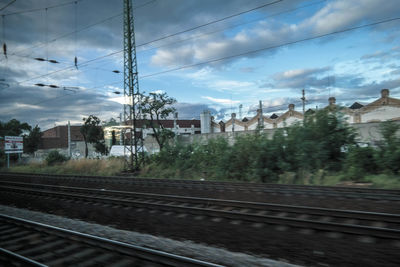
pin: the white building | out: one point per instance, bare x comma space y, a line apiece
383, 109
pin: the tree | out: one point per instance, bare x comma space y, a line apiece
93, 133
113, 138
318, 143
388, 154
158, 107
13, 128
32, 141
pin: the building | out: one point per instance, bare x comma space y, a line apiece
383, 109
179, 127
56, 138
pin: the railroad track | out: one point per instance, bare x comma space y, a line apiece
27, 243
378, 225
108, 182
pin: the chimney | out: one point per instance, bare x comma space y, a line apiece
332, 101
384, 93
291, 109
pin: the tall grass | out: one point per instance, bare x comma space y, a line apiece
101, 167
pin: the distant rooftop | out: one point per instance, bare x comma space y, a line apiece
356, 105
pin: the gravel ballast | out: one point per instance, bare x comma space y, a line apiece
183, 248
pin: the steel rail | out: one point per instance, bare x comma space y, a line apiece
112, 246
368, 193
20, 259
234, 204
230, 215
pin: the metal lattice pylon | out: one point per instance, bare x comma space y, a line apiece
133, 144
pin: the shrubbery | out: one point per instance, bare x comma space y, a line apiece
324, 141
55, 157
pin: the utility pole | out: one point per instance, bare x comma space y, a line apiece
261, 118
303, 100
175, 126
69, 139
131, 90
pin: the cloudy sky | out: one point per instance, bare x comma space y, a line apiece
208, 54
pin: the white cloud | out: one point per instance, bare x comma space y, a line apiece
158, 92
230, 85
221, 101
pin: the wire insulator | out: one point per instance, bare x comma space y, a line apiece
5, 50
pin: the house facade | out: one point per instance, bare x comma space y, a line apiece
383, 109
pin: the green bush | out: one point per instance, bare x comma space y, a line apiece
359, 162
55, 157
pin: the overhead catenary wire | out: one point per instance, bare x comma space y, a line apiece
270, 47
246, 11
40, 44
176, 33
246, 53
40, 9
230, 27
197, 36
164, 37
7, 5
120, 51
227, 57
211, 22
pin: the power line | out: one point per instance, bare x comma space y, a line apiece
268, 48
40, 9
232, 26
223, 58
211, 22
80, 30
164, 37
4, 7
191, 38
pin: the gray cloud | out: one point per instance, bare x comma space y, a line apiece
47, 106
301, 78
190, 111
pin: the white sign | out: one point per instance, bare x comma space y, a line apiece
13, 144
118, 151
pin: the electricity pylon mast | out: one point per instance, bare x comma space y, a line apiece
131, 92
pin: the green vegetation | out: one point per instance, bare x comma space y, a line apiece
93, 133
16, 128
100, 167
156, 107
321, 151
32, 141
55, 157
